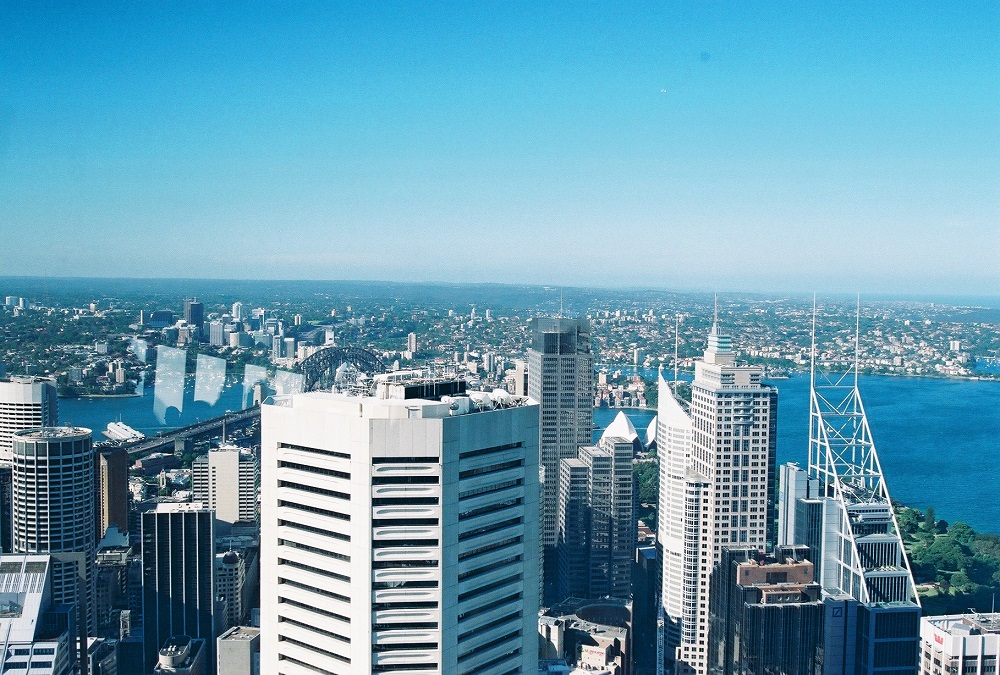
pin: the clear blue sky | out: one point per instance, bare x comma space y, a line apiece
731, 145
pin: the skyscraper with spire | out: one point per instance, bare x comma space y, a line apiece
717, 462
841, 509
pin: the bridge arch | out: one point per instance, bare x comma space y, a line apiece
320, 369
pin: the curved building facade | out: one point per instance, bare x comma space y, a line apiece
53, 509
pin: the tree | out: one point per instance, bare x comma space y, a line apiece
961, 582
930, 522
909, 520
962, 533
946, 554
646, 475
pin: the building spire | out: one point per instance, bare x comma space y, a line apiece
720, 347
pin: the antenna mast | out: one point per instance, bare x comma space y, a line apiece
812, 350
857, 339
677, 340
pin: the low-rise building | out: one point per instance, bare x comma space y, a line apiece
960, 643
37, 633
238, 651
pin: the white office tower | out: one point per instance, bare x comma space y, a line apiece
53, 511
841, 509
399, 532
718, 456
225, 479
682, 506
561, 379
34, 627
25, 403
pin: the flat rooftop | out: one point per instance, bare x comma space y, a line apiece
53, 433
240, 633
967, 624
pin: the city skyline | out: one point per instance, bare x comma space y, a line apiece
361, 141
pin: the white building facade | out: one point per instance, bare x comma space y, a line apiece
399, 535
717, 457
225, 480
54, 511
960, 643
25, 403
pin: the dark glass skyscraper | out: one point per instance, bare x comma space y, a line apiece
178, 564
561, 379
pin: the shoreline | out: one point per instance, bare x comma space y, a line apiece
986, 377
102, 396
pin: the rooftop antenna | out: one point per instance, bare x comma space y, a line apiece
560, 302
677, 339
715, 314
857, 339
812, 349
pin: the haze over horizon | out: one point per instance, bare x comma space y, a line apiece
788, 147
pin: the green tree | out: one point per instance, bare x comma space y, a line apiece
646, 477
946, 554
909, 520
961, 583
930, 522
962, 533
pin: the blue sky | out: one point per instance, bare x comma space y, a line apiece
744, 146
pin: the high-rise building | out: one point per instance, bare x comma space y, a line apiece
766, 613
112, 490
399, 532
53, 513
237, 311
561, 380
411, 343
36, 627
717, 457
225, 480
645, 608
194, 314
841, 510
230, 576
178, 570
596, 543
25, 403
217, 333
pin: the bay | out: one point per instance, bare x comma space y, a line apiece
936, 439
138, 411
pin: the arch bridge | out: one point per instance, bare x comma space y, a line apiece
320, 369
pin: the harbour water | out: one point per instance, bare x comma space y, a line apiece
937, 438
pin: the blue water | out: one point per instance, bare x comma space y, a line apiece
937, 440
137, 411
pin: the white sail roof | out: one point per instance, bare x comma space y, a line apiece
621, 427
